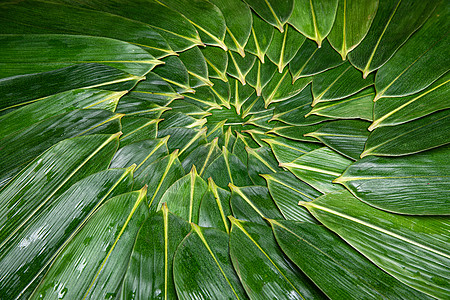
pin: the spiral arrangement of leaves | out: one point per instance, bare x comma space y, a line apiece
223, 149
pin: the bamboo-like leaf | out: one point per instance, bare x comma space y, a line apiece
287, 150
159, 176
83, 269
296, 133
175, 73
238, 66
293, 110
205, 252
137, 129
419, 62
319, 168
254, 253
150, 272
222, 92
51, 106
204, 97
175, 28
215, 208
205, 16
228, 168
20, 148
313, 18
154, 89
253, 203
57, 222
353, 20
140, 153
412, 249
393, 24
359, 105
195, 64
183, 197
273, 12
411, 137
282, 87
240, 94
239, 146
286, 190
43, 52
338, 83
42, 17
260, 161
202, 157
344, 136
217, 61
16, 92
358, 277
284, 47
238, 19
260, 75
380, 181
51, 174
394, 111
260, 38
311, 60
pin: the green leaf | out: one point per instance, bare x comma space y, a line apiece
412, 137
260, 75
358, 277
353, 20
296, 133
41, 17
346, 137
286, 190
195, 64
394, 111
183, 197
240, 94
215, 208
140, 153
222, 92
358, 106
260, 39
314, 18
311, 60
412, 249
287, 150
150, 272
204, 252
51, 174
318, 168
380, 182
45, 52
419, 62
273, 12
260, 161
159, 176
136, 129
205, 16
16, 89
253, 203
393, 24
217, 61
53, 105
262, 267
94, 262
175, 73
175, 28
338, 83
202, 156
240, 66
284, 47
282, 87
228, 168
25, 257
238, 19
20, 148
293, 111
